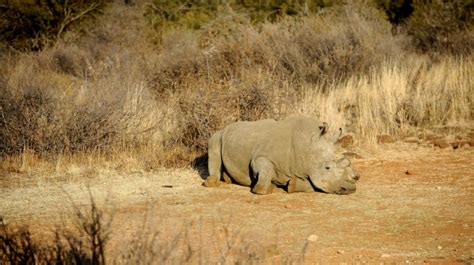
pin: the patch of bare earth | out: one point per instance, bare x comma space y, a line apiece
413, 204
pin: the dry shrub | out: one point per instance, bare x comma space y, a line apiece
195, 241
84, 246
65, 104
199, 241
316, 49
207, 107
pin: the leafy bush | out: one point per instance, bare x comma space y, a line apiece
195, 13
442, 26
25, 25
397, 10
435, 26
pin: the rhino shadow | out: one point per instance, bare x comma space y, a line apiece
200, 165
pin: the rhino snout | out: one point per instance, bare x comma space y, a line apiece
345, 188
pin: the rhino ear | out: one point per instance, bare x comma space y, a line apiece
323, 129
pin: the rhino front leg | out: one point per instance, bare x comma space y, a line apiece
214, 163
299, 185
264, 172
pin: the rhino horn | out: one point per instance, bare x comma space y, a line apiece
335, 136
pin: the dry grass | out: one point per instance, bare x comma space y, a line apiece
399, 97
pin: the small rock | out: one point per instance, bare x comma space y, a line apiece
470, 138
408, 172
313, 238
385, 255
438, 188
385, 139
346, 141
440, 247
458, 144
412, 140
351, 155
340, 251
441, 143
432, 137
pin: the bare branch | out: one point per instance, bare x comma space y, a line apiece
69, 18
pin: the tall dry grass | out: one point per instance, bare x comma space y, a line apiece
398, 97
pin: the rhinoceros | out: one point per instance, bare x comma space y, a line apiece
296, 153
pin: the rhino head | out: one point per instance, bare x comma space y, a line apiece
326, 173
334, 177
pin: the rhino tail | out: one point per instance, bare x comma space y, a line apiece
215, 157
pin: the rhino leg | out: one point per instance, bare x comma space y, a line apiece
299, 185
215, 160
264, 172
226, 178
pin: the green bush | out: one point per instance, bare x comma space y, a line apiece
442, 26
32, 25
194, 14
396, 10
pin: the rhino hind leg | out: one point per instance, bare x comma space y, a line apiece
299, 185
264, 172
211, 181
214, 161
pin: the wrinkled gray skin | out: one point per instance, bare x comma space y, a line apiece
297, 153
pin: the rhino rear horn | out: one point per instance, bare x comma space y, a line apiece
343, 162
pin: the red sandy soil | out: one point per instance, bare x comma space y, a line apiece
412, 205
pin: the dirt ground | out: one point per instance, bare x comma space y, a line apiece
413, 204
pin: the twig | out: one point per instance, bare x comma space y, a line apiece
68, 18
